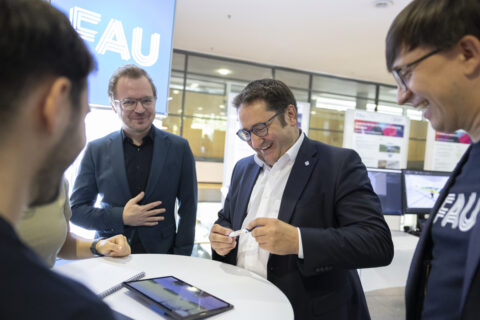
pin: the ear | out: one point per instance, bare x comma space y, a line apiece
56, 109
292, 115
112, 104
469, 47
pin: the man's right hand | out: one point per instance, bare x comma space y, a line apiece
135, 214
220, 241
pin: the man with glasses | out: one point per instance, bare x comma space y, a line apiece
139, 173
433, 51
306, 211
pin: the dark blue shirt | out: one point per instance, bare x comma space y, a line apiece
451, 230
30, 290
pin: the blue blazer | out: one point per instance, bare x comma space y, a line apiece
329, 197
172, 176
419, 268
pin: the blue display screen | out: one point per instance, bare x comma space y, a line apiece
123, 32
178, 296
387, 184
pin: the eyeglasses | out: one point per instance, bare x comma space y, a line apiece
259, 129
402, 74
130, 104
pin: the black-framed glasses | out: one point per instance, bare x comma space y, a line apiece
259, 129
130, 104
402, 74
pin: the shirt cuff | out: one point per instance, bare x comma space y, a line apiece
300, 246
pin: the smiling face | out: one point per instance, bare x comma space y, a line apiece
279, 138
436, 86
138, 121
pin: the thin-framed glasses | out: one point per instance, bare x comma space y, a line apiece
130, 104
402, 74
259, 129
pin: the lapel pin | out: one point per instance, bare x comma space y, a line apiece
307, 163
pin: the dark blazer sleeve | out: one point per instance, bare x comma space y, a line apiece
187, 199
358, 236
108, 219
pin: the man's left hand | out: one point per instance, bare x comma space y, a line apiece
275, 236
116, 246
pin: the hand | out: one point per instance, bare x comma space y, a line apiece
275, 236
135, 214
220, 241
116, 246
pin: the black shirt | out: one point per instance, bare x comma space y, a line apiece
138, 160
451, 231
30, 290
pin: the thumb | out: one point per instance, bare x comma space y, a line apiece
138, 197
105, 247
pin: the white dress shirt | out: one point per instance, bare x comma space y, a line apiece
265, 201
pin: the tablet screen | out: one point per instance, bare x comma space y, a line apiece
178, 298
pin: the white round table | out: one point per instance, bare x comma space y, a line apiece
252, 296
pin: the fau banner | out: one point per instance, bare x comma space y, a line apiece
125, 32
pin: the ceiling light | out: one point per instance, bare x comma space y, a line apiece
194, 85
224, 71
383, 3
222, 106
176, 92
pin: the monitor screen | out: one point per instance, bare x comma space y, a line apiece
387, 184
421, 189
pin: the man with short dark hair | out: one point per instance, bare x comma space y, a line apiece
433, 51
312, 215
43, 94
140, 172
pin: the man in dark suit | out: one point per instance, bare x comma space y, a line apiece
312, 211
139, 172
433, 51
44, 101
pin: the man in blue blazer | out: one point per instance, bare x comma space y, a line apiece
139, 173
433, 52
311, 211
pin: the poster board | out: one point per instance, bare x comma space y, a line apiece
380, 139
444, 150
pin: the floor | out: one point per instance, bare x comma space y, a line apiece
386, 304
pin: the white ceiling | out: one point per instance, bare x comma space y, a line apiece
338, 37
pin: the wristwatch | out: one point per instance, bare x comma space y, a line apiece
93, 247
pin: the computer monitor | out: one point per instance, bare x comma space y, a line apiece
421, 189
387, 184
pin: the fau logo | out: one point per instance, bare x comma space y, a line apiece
113, 38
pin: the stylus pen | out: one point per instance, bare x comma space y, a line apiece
241, 231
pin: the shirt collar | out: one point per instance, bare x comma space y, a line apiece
149, 136
291, 153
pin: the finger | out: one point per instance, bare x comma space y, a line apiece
217, 237
149, 224
220, 229
154, 212
258, 222
151, 205
138, 197
154, 219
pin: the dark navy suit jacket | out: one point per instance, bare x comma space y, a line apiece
418, 274
172, 175
329, 197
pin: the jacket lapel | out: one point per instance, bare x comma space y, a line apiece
118, 164
297, 180
251, 174
161, 148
